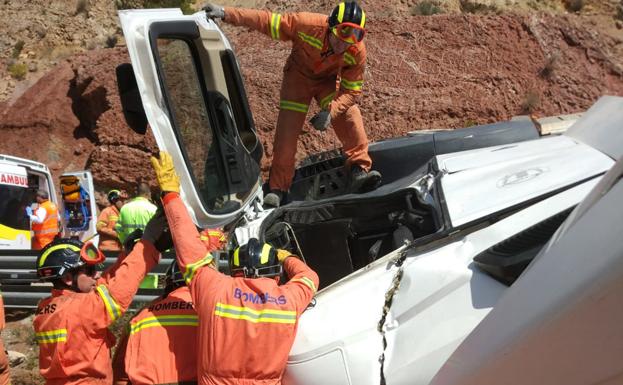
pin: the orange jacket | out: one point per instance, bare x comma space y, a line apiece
46, 231
4, 361
309, 55
106, 229
72, 328
161, 344
246, 326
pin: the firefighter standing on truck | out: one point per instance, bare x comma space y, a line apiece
71, 326
325, 51
241, 316
44, 220
109, 240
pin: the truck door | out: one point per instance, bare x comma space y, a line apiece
192, 96
77, 209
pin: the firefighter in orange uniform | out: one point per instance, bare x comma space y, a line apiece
162, 339
109, 240
71, 326
326, 63
247, 316
44, 220
4, 360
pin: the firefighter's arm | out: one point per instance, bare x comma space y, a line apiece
115, 296
120, 374
191, 253
351, 83
303, 282
277, 26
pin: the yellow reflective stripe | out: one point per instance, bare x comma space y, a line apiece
191, 269
349, 59
340, 12
352, 85
214, 233
54, 248
265, 253
164, 321
275, 22
51, 336
237, 257
324, 102
255, 316
293, 106
316, 43
307, 282
114, 310
363, 19
47, 231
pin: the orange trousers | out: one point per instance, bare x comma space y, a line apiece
297, 91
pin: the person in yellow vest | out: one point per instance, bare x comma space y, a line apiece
109, 240
44, 220
136, 213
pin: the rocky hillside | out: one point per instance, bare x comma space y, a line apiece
445, 64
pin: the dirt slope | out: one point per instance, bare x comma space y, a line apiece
441, 71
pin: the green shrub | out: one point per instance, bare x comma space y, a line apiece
184, 5
551, 65
82, 6
426, 8
18, 70
470, 6
17, 49
574, 5
531, 102
111, 41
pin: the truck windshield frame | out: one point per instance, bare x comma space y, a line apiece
222, 170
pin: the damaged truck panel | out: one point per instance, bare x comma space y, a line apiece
442, 295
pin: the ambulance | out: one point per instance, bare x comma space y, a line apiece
19, 181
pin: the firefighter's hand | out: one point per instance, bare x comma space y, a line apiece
168, 179
321, 120
156, 231
283, 254
213, 239
29, 211
214, 11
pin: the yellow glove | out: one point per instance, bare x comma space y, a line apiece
165, 172
283, 254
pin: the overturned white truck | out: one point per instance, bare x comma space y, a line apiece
407, 271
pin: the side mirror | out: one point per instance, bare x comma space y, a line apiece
131, 99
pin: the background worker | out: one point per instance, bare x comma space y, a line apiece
324, 51
108, 239
44, 220
247, 322
135, 213
71, 326
4, 360
160, 345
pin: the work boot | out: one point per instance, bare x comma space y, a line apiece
362, 181
273, 198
